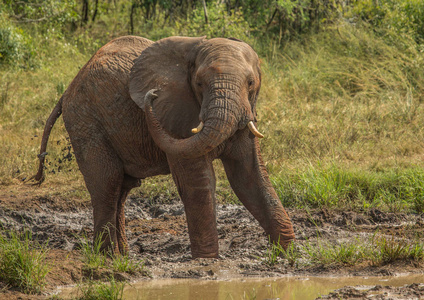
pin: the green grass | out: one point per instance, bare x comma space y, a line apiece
328, 254
394, 189
275, 252
123, 263
375, 250
22, 261
94, 259
92, 256
388, 249
94, 290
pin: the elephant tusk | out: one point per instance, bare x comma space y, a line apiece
198, 128
253, 129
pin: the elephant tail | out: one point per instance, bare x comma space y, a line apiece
57, 111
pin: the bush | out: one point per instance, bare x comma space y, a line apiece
220, 24
15, 47
404, 16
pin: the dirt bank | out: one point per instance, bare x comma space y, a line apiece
157, 234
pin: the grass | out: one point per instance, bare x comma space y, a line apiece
388, 249
342, 97
375, 250
94, 259
394, 189
22, 261
92, 256
94, 290
275, 252
328, 254
123, 263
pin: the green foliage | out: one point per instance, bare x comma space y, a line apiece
47, 13
404, 16
22, 261
15, 46
221, 24
159, 189
94, 290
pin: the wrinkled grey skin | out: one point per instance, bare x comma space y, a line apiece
129, 113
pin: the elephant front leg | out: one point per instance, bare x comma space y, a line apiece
249, 179
195, 180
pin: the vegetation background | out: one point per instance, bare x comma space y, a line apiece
341, 102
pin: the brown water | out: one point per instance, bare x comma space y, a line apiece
261, 288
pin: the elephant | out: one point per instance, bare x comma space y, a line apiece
140, 108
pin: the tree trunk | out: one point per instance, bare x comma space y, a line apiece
95, 11
133, 6
84, 12
205, 11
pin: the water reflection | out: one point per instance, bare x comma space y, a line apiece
263, 288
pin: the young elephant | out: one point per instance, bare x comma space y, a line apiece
140, 109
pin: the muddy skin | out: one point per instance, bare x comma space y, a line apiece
157, 234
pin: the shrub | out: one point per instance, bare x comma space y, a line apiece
404, 16
14, 46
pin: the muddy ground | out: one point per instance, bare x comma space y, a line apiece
157, 234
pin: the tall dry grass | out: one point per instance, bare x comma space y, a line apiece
346, 96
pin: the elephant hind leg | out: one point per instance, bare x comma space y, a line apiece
128, 183
120, 224
104, 176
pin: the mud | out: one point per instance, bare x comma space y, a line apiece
157, 234
409, 291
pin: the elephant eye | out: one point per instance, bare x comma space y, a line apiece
199, 84
251, 82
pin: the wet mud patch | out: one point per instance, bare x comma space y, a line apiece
157, 235
408, 291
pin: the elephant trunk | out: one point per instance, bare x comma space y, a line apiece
220, 124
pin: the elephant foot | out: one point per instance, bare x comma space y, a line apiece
209, 249
195, 255
284, 240
286, 243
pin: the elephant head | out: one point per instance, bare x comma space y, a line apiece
207, 90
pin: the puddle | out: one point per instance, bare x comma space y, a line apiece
269, 288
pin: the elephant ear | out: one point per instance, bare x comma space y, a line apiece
166, 66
